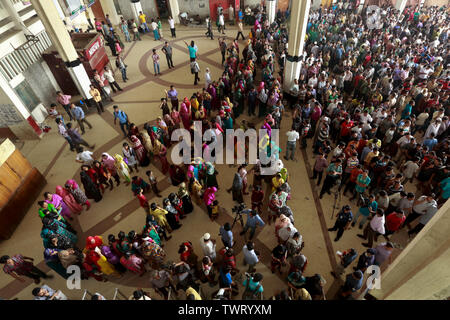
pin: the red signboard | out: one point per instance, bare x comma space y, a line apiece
96, 55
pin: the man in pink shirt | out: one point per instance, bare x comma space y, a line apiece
64, 100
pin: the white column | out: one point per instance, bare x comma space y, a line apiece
136, 8
18, 24
401, 4
297, 32
56, 30
174, 10
110, 9
271, 7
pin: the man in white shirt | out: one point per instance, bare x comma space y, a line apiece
374, 227
84, 157
404, 140
250, 256
109, 75
420, 207
365, 117
293, 136
433, 128
172, 27
208, 246
221, 25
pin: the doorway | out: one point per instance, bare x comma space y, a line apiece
163, 8
98, 11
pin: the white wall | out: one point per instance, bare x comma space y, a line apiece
194, 7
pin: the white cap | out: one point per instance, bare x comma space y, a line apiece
206, 236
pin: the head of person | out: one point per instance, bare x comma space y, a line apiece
250, 245
39, 292
227, 226
257, 277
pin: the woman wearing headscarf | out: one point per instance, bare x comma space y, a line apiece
52, 261
177, 174
69, 200
140, 151
149, 231
138, 183
170, 125
133, 263
262, 100
176, 118
281, 222
195, 188
185, 114
147, 142
110, 164
78, 194
59, 205
159, 151
122, 168
103, 175
211, 173
130, 155
160, 216
90, 186
134, 131
51, 227
208, 197
172, 215
237, 187
183, 194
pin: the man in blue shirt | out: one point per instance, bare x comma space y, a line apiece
344, 218
123, 119
78, 114
366, 259
353, 282
253, 221
430, 142
227, 235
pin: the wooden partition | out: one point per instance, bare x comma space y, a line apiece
20, 184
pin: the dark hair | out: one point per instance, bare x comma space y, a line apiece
95, 297
68, 125
137, 294
250, 245
227, 226
3, 259
36, 291
41, 203
111, 238
257, 277
190, 297
358, 275
121, 235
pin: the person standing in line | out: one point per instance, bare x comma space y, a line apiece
366, 259
208, 79
251, 257
221, 23
195, 69
293, 136
424, 219
226, 235
63, 132
240, 30
123, 119
155, 30
143, 21
109, 75
208, 246
97, 98
80, 117
64, 100
136, 34
172, 26
19, 265
353, 282
155, 58
125, 30
167, 49
172, 94
420, 207
120, 63
344, 218
223, 48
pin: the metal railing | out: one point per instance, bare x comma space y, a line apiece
118, 293
24, 56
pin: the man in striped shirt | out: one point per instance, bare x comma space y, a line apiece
19, 265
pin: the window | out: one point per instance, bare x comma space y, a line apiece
27, 95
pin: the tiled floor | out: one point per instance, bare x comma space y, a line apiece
119, 210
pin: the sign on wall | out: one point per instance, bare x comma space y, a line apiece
9, 115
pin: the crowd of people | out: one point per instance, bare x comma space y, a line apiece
374, 104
